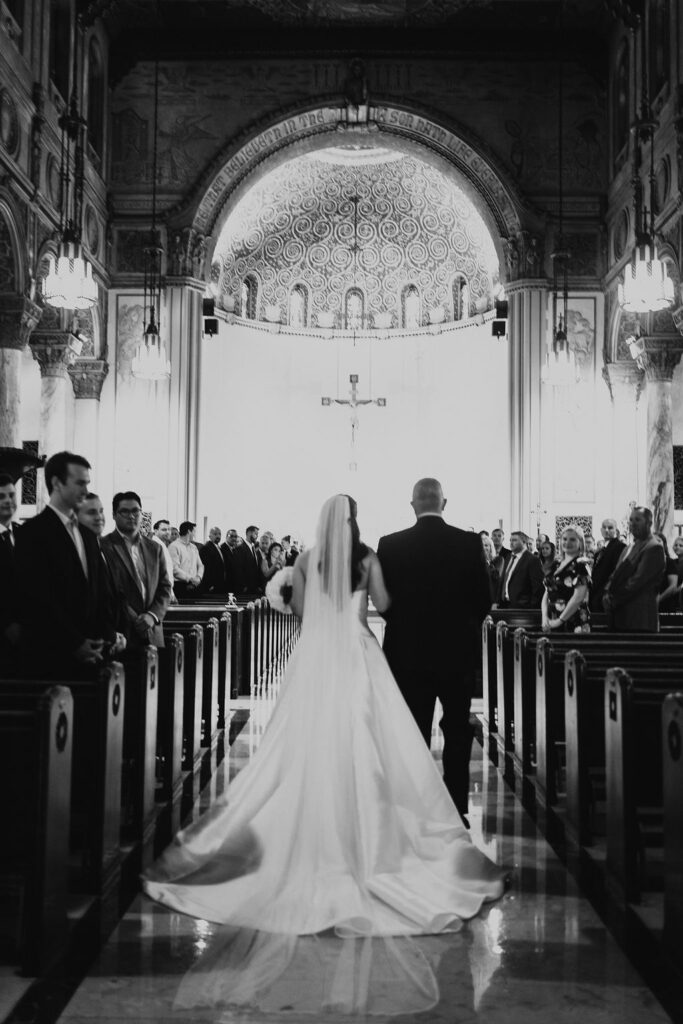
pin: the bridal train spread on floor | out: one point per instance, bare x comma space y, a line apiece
340, 822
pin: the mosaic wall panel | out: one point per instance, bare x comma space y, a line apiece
678, 476
29, 481
413, 226
585, 522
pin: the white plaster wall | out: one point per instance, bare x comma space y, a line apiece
270, 453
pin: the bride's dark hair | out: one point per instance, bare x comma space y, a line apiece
358, 549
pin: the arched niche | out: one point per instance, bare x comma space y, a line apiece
449, 148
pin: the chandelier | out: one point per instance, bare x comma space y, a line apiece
150, 361
69, 283
647, 287
560, 369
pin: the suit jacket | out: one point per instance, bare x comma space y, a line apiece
128, 593
251, 576
9, 610
59, 607
634, 585
213, 580
525, 588
439, 585
234, 569
604, 564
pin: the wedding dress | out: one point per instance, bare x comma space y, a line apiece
341, 820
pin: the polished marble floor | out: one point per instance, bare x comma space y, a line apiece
540, 955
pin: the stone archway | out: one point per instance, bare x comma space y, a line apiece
240, 163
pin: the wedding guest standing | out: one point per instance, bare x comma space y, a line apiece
630, 597
668, 597
521, 584
605, 562
188, 569
565, 601
9, 611
490, 556
211, 554
548, 556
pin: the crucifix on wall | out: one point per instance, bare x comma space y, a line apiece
354, 403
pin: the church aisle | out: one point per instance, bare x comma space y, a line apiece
540, 954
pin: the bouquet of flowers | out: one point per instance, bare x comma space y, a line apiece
279, 590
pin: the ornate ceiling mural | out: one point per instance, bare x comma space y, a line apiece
361, 218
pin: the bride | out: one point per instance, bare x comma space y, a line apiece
341, 820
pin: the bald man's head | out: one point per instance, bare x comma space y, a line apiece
428, 496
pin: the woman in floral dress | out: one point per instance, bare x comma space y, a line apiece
565, 601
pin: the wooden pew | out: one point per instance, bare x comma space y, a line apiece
634, 754
96, 852
170, 773
139, 806
222, 614
184, 617
585, 726
672, 770
36, 735
193, 675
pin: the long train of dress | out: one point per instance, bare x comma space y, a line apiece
340, 821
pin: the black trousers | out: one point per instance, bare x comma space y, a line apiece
454, 688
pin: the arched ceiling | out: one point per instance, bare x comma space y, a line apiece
414, 226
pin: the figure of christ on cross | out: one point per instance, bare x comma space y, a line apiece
354, 403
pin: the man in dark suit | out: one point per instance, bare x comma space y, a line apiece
250, 562
138, 569
521, 585
234, 572
630, 596
211, 554
605, 562
498, 539
64, 612
9, 611
436, 576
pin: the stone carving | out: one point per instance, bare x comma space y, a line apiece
629, 326
620, 377
82, 325
356, 93
523, 256
18, 318
87, 377
9, 123
54, 353
8, 276
660, 360
37, 124
187, 253
414, 224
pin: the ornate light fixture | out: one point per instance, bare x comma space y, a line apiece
647, 287
69, 283
560, 369
150, 361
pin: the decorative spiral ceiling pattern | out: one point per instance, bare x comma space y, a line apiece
414, 226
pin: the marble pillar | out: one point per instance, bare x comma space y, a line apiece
527, 327
87, 378
625, 382
18, 317
54, 353
184, 337
659, 360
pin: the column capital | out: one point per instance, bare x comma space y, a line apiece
623, 378
54, 351
87, 377
19, 317
659, 356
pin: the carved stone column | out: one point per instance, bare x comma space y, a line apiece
625, 382
18, 318
87, 378
54, 352
659, 359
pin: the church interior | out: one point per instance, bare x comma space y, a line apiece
257, 252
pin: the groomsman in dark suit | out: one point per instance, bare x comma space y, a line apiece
630, 596
64, 611
605, 562
211, 554
498, 539
438, 582
138, 569
234, 572
250, 562
9, 613
521, 585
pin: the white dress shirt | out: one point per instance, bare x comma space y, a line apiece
71, 526
514, 561
186, 561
